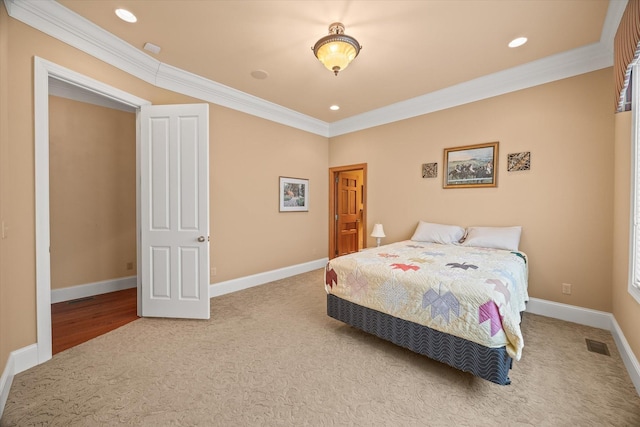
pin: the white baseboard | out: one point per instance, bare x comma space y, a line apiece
221, 288
25, 358
595, 319
5, 382
570, 313
19, 360
91, 289
629, 359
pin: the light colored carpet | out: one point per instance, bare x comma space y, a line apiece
271, 356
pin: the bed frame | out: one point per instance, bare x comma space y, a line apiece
492, 364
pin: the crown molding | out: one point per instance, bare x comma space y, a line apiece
57, 21
53, 19
61, 23
187, 83
556, 67
612, 21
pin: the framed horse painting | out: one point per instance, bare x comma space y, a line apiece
471, 166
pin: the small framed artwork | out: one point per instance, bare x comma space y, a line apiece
471, 166
294, 194
430, 170
519, 161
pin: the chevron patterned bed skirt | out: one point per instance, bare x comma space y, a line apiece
492, 364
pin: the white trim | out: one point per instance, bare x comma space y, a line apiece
42, 71
234, 285
64, 90
57, 21
629, 359
612, 22
593, 318
5, 382
25, 358
43, 259
19, 360
634, 215
563, 65
91, 289
54, 19
181, 81
570, 313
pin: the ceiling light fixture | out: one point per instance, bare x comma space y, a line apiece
334, 107
336, 50
125, 15
517, 42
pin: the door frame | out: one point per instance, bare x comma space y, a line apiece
44, 69
333, 189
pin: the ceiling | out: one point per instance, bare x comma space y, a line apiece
410, 48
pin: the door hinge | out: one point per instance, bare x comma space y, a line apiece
336, 217
337, 179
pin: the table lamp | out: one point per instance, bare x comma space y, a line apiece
378, 233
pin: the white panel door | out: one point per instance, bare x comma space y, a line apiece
174, 217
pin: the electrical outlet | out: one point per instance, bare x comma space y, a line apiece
213, 271
566, 288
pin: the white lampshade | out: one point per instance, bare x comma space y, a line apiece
378, 231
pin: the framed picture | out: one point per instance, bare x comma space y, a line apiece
519, 161
471, 166
294, 194
429, 170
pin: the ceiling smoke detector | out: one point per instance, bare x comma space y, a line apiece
152, 48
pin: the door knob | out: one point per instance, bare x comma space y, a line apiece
201, 239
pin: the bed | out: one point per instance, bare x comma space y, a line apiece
455, 300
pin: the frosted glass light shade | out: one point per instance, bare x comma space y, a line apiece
337, 50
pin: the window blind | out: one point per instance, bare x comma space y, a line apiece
625, 47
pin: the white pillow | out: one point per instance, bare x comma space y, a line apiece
437, 233
507, 238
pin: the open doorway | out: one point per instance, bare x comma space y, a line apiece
155, 185
347, 209
43, 72
92, 206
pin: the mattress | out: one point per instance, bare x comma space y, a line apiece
476, 294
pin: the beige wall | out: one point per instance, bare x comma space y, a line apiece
564, 203
92, 170
625, 308
249, 234
247, 154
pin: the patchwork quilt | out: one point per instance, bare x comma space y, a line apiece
470, 292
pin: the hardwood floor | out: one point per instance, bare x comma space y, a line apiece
74, 322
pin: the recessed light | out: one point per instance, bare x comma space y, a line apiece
517, 42
125, 15
334, 107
